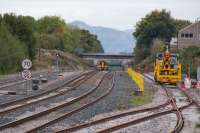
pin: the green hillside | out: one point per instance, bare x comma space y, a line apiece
22, 36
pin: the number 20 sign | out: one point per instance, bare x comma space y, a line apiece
26, 64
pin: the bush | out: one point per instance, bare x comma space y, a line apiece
12, 52
191, 56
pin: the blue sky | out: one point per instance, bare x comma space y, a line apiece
119, 14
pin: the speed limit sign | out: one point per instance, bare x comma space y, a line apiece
26, 64
26, 74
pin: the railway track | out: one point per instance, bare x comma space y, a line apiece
75, 83
109, 118
45, 92
144, 119
48, 111
195, 101
170, 102
190, 98
180, 119
18, 80
177, 110
179, 115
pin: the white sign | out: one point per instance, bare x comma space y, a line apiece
26, 64
26, 74
187, 83
198, 73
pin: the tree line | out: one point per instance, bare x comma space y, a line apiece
21, 36
157, 25
154, 31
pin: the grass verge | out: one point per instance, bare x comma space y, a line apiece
198, 124
146, 97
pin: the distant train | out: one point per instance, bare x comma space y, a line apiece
102, 65
167, 68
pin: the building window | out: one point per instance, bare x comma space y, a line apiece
191, 35
186, 35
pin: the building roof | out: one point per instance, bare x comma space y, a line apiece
189, 26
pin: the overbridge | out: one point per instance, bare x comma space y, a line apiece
117, 59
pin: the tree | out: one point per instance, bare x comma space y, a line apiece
23, 28
11, 52
56, 34
1, 19
50, 24
191, 56
21, 35
158, 46
180, 24
156, 25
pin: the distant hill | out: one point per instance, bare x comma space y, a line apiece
112, 40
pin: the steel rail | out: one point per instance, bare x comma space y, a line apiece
142, 119
88, 124
76, 110
3, 105
176, 110
36, 115
130, 123
15, 81
171, 100
192, 99
27, 103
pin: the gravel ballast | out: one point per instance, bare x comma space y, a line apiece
22, 92
47, 104
43, 105
117, 100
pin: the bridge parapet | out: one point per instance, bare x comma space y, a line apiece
117, 59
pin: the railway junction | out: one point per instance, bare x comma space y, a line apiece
113, 66
96, 101
100, 99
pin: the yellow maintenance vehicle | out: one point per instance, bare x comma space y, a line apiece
167, 68
102, 65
